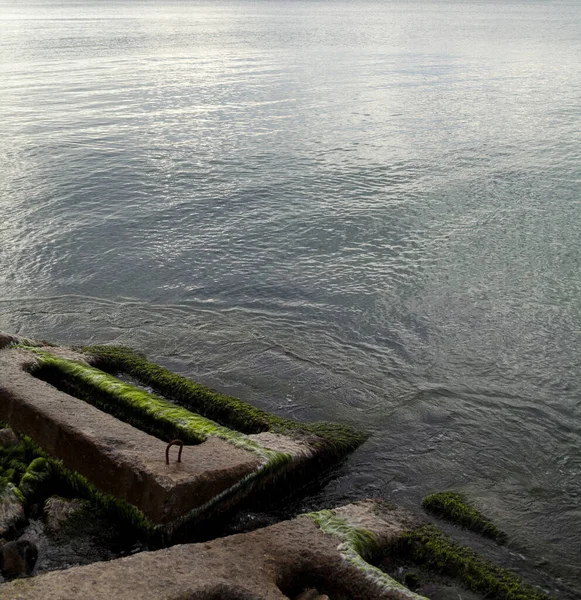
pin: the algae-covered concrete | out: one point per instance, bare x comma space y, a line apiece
118, 458
274, 563
109, 430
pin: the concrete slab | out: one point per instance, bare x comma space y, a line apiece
274, 563
116, 457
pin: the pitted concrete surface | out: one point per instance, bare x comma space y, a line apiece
116, 457
274, 563
386, 521
6, 340
298, 449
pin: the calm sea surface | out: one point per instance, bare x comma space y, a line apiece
366, 212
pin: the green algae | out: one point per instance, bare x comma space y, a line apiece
429, 548
15, 460
54, 475
358, 547
11, 522
36, 473
123, 512
334, 439
141, 408
455, 508
36, 477
363, 542
221, 408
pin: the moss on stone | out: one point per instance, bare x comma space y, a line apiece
10, 495
429, 548
121, 511
358, 547
335, 439
145, 410
37, 476
29, 471
227, 410
14, 461
166, 417
74, 484
455, 508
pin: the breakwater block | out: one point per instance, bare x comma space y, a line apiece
115, 431
316, 555
118, 458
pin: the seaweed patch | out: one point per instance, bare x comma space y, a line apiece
358, 546
455, 508
334, 439
429, 548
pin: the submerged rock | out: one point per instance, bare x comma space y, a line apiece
12, 515
17, 559
58, 512
8, 437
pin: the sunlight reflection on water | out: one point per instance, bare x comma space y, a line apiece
357, 212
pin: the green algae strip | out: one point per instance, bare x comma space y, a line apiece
333, 439
14, 461
114, 393
358, 546
227, 410
9, 489
429, 548
455, 508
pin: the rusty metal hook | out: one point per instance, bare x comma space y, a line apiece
174, 443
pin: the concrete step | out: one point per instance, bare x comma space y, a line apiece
314, 555
116, 457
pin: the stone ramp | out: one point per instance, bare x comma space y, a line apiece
274, 563
116, 457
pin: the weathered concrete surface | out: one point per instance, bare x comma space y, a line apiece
300, 450
6, 339
116, 457
274, 563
